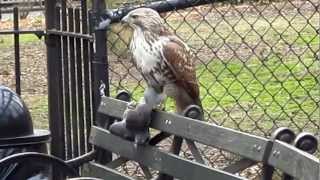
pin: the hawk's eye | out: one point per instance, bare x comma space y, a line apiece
134, 16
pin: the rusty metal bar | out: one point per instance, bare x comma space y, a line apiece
69, 34
17, 50
36, 32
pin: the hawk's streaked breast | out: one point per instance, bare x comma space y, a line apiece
147, 54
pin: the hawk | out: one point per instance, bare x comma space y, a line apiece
163, 59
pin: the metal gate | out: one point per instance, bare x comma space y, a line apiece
70, 55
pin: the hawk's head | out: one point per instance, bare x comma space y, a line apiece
144, 18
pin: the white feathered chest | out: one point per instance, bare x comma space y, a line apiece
148, 57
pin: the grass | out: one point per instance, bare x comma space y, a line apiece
38, 107
271, 93
8, 40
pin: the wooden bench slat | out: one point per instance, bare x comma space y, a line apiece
99, 171
295, 162
156, 159
244, 144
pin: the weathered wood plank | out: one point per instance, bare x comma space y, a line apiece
244, 144
103, 172
156, 159
294, 162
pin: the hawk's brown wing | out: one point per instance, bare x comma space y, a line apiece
180, 61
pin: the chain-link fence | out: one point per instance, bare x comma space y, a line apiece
257, 63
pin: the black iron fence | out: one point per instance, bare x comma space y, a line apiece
25, 6
70, 50
17, 32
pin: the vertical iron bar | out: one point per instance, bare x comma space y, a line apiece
55, 101
79, 83
174, 149
17, 49
73, 88
91, 56
100, 71
100, 63
60, 79
86, 72
66, 82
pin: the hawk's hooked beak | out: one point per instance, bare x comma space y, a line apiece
125, 20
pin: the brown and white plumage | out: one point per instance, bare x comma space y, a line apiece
165, 61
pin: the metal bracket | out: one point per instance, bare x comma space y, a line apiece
283, 134
102, 89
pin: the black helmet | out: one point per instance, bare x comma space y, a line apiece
17, 135
15, 121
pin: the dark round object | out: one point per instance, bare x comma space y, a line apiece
284, 134
16, 126
306, 142
15, 119
192, 111
123, 96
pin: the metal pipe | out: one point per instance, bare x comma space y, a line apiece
160, 6
17, 50
55, 100
100, 73
38, 33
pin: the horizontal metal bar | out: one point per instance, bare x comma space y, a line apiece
10, 10
36, 32
157, 159
160, 6
13, 3
244, 144
69, 34
78, 161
